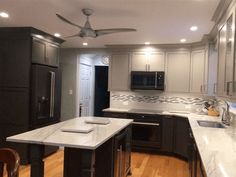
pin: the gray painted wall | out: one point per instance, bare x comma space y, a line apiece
70, 60
68, 64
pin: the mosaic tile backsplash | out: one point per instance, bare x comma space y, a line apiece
158, 99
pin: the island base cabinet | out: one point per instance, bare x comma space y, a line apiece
111, 159
89, 163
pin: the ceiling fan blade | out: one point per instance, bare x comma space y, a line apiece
75, 35
67, 21
113, 30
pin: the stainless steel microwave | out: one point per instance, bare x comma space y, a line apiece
143, 80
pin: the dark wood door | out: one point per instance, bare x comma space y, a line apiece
167, 134
182, 139
14, 62
14, 106
52, 55
38, 51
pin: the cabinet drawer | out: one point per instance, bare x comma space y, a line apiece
115, 114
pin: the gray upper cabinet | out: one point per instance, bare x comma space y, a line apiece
198, 72
229, 52
221, 61
178, 71
52, 54
38, 52
119, 72
45, 53
226, 60
144, 61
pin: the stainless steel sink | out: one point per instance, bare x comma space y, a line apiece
212, 124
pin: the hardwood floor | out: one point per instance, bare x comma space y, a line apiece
143, 165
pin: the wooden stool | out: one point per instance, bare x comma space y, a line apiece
12, 160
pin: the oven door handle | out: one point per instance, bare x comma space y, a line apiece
144, 123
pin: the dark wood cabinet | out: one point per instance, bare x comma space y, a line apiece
111, 159
14, 62
171, 135
45, 53
18, 50
167, 134
14, 106
115, 114
181, 134
122, 153
196, 167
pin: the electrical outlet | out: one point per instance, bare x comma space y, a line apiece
70, 92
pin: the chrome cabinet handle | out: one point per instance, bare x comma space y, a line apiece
156, 80
215, 88
204, 88
120, 154
52, 92
201, 88
228, 87
144, 123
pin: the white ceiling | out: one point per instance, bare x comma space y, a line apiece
157, 21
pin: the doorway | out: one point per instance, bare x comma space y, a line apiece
85, 90
102, 96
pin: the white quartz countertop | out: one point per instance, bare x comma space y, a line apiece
216, 146
53, 135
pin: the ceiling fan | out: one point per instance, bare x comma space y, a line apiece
88, 31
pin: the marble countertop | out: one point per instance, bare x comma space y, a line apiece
148, 111
52, 135
216, 146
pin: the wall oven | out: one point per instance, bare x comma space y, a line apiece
146, 131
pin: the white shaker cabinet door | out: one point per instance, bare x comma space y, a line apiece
178, 71
119, 72
221, 62
157, 62
197, 78
139, 62
144, 61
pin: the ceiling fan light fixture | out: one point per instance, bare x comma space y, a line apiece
85, 43
147, 43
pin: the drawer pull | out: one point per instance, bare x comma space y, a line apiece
144, 123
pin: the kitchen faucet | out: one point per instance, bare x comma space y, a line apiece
226, 115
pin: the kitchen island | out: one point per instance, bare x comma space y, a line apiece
85, 154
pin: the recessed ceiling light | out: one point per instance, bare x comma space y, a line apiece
147, 43
183, 40
39, 36
193, 28
57, 34
85, 43
4, 15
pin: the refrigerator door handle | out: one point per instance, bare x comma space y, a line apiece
52, 93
